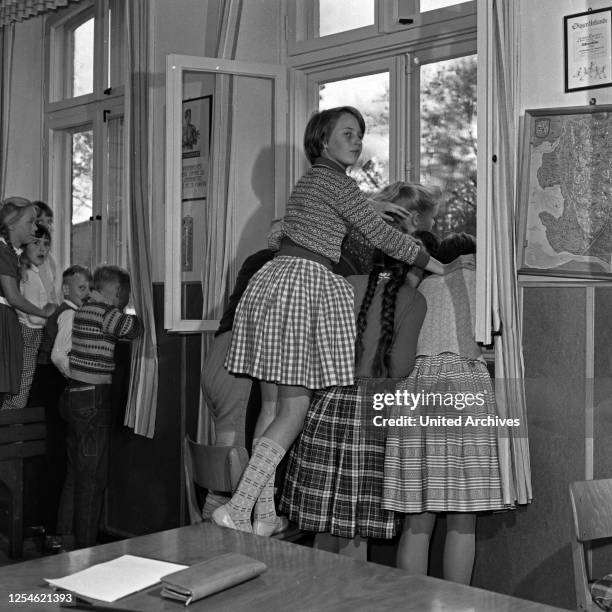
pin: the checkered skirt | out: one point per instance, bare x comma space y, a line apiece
295, 325
431, 468
31, 341
333, 481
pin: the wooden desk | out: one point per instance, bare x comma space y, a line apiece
298, 578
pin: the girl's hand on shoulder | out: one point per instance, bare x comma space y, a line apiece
389, 210
460, 263
49, 309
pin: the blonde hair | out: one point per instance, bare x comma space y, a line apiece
418, 198
11, 210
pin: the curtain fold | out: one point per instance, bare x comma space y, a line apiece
19, 10
499, 311
7, 43
219, 270
142, 401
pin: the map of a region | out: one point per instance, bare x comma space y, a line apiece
568, 225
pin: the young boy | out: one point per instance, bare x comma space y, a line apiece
50, 378
97, 327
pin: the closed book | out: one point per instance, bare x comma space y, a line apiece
210, 577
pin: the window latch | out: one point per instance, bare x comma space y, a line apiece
105, 114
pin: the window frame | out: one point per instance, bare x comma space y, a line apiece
64, 115
430, 39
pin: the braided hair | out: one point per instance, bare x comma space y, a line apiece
396, 271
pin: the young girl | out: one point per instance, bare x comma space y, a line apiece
436, 467
294, 325
17, 227
421, 208
335, 472
48, 271
32, 288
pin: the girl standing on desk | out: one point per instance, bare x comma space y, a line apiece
294, 325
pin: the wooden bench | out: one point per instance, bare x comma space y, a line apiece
22, 434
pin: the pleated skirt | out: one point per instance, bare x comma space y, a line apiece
11, 351
436, 468
334, 476
295, 325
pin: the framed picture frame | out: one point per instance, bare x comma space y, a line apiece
565, 197
588, 49
195, 147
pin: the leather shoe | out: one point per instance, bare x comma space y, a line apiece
221, 517
267, 529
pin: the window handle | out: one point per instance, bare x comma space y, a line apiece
105, 114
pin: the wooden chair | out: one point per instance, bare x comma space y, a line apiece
218, 468
592, 512
22, 434
215, 468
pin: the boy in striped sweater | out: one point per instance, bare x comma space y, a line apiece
97, 327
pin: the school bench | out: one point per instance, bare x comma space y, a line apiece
22, 434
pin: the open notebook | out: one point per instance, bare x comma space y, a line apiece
114, 579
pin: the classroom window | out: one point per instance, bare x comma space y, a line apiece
415, 84
81, 43
333, 16
448, 140
85, 182
432, 5
81, 194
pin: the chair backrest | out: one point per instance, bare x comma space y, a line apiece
592, 513
215, 468
22, 433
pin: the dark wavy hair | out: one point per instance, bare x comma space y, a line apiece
397, 271
321, 125
455, 245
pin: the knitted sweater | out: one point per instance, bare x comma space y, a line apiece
449, 323
96, 329
325, 203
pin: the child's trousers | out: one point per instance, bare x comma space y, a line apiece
87, 412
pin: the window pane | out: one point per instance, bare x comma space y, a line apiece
448, 140
369, 94
341, 15
81, 247
116, 47
82, 58
430, 5
115, 250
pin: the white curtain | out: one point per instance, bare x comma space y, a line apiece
218, 265
7, 41
142, 400
498, 312
19, 10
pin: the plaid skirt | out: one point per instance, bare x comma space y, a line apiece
333, 481
295, 325
432, 467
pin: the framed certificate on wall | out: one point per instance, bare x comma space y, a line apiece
588, 49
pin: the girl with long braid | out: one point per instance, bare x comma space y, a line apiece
448, 462
334, 476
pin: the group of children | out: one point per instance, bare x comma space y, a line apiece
295, 328
61, 356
